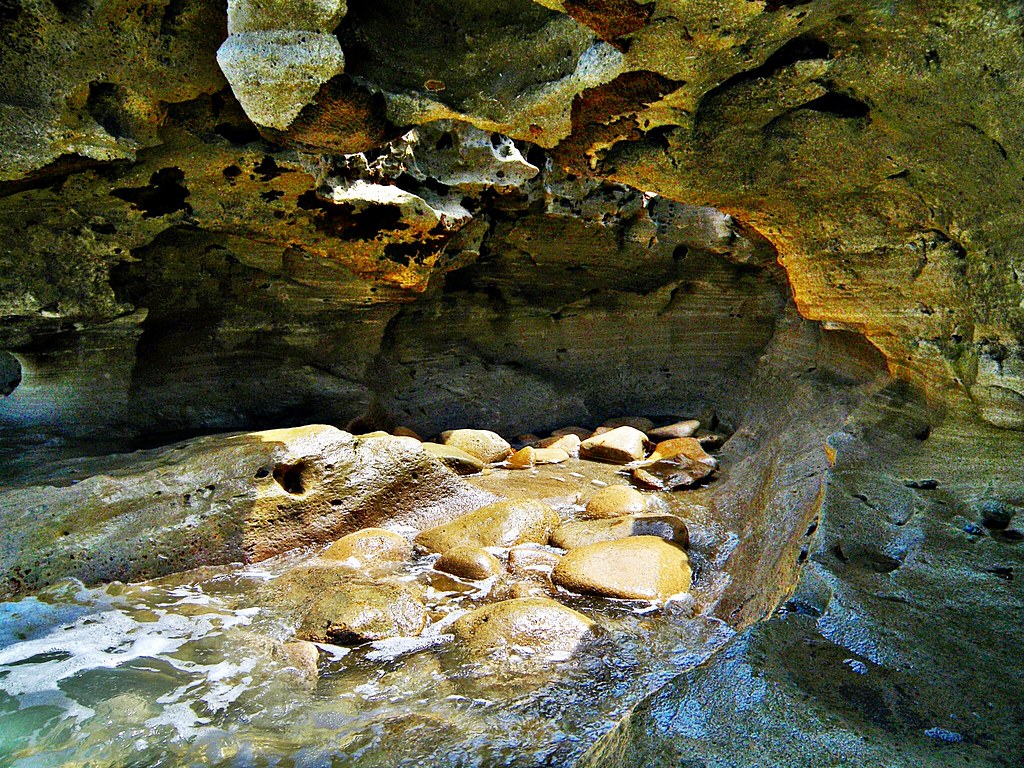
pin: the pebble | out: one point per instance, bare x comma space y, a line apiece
530, 456
614, 501
683, 446
527, 561
568, 443
638, 568
637, 422
487, 446
581, 432
617, 446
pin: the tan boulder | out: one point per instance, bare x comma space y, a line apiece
638, 567
454, 458
370, 547
470, 563
581, 533
303, 657
615, 501
502, 524
360, 612
524, 627
685, 428
487, 446
568, 443
617, 446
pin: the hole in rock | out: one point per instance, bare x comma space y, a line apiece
294, 478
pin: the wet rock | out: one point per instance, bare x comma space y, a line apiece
685, 428
579, 533
683, 446
530, 456
641, 423
670, 474
470, 563
527, 627
532, 561
568, 443
502, 524
487, 446
369, 547
638, 567
521, 589
360, 612
710, 440
454, 458
302, 656
614, 501
617, 446
406, 432
527, 439
219, 500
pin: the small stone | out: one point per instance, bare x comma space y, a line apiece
686, 428
454, 458
618, 446
637, 568
581, 533
523, 627
360, 612
487, 446
683, 446
302, 656
523, 458
637, 422
549, 455
470, 563
615, 501
502, 524
568, 443
529, 562
370, 546
581, 432
406, 432
521, 589
527, 439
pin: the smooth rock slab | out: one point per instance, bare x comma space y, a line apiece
617, 446
502, 524
359, 613
638, 568
580, 533
524, 627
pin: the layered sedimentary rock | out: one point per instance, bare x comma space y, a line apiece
580, 210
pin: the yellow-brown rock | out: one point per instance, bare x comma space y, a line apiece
530, 626
580, 533
502, 524
360, 612
616, 446
568, 443
487, 446
456, 459
685, 428
638, 567
369, 547
471, 563
689, 447
615, 501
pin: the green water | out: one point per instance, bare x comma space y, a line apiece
189, 671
